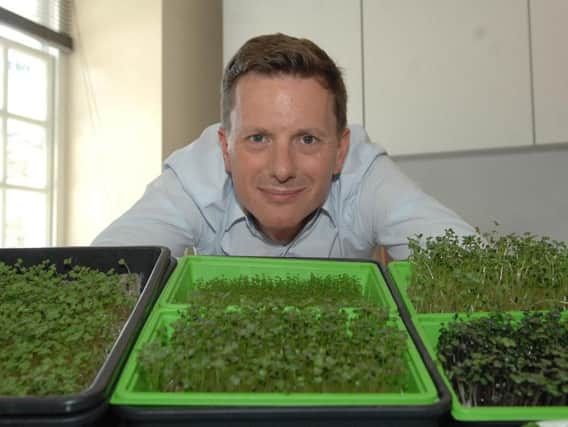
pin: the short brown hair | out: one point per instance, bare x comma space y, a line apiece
275, 54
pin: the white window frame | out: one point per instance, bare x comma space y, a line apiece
53, 132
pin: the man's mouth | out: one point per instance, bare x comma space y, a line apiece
281, 195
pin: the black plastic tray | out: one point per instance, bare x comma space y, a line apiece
153, 264
399, 415
97, 416
411, 416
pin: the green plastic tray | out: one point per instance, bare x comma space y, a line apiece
177, 292
400, 272
130, 390
429, 330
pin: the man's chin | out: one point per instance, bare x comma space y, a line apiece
281, 231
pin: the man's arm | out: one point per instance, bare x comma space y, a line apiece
395, 208
165, 215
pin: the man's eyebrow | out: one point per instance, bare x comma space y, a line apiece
311, 131
251, 130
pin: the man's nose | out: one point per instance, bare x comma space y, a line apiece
283, 161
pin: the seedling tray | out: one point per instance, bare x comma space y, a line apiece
420, 404
400, 272
152, 265
190, 269
485, 416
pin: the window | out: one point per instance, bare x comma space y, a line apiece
29, 132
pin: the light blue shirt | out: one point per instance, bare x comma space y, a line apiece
192, 204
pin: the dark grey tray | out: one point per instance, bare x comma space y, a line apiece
153, 264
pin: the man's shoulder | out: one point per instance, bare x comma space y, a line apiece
362, 153
205, 145
199, 167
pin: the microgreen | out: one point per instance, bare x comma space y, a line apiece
313, 290
499, 361
57, 328
271, 349
488, 272
277, 335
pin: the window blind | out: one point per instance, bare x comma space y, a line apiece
46, 19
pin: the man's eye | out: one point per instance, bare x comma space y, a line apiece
308, 139
257, 138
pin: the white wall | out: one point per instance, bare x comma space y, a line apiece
144, 80
114, 137
446, 75
550, 70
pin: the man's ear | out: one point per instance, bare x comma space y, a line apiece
224, 143
342, 151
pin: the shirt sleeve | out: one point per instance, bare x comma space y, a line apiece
395, 209
165, 216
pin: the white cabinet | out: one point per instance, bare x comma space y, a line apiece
549, 28
446, 75
335, 25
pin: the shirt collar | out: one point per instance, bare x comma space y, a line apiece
329, 207
234, 213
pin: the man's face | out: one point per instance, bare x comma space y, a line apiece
282, 150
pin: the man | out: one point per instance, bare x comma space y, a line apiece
282, 175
